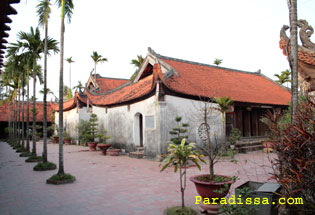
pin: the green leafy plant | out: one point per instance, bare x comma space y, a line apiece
236, 209
235, 136
179, 131
66, 136
178, 156
88, 131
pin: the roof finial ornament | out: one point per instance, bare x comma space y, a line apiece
306, 33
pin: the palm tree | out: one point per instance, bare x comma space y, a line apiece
70, 61
32, 46
97, 59
66, 10
284, 77
43, 12
217, 61
78, 87
224, 103
292, 4
137, 63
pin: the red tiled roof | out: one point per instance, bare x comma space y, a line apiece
71, 103
107, 84
4, 112
303, 55
127, 93
210, 81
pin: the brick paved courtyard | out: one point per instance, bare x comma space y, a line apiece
105, 184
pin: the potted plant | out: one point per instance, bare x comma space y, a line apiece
234, 137
91, 133
56, 136
66, 138
178, 156
210, 185
103, 138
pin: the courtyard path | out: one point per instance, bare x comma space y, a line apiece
106, 184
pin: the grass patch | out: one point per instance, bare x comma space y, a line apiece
61, 179
21, 149
34, 159
25, 154
45, 166
178, 210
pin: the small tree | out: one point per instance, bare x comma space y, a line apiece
224, 104
179, 131
178, 156
89, 132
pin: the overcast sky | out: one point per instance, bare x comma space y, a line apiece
243, 33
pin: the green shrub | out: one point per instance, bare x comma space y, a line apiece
45, 166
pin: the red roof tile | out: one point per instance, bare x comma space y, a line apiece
127, 93
107, 84
4, 112
210, 81
303, 55
71, 103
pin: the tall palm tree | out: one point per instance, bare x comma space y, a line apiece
79, 86
137, 63
284, 77
70, 61
97, 59
32, 45
224, 103
66, 10
292, 4
43, 12
217, 61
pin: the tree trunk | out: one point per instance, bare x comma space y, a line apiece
61, 167
34, 109
294, 54
23, 94
45, 97
181, 186
28, 117
223, 132
19, 118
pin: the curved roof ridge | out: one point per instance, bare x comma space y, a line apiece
200, 64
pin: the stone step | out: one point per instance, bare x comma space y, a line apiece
138, 155
139, 149
242, 144
245, 149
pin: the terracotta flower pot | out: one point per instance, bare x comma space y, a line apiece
56, 139
104, 147
209, 189
113, 152
67, 141
92, 146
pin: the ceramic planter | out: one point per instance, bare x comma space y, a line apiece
208, 189
56, 139
104, 147
211, 190
92, 146
113, 152
67, 141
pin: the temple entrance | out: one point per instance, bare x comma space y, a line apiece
138, 129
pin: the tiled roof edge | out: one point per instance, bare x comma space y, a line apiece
110, 91
123, 79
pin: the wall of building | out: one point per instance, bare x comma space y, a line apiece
191, 113
122, 124
71, 120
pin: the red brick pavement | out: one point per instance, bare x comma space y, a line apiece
106, 184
